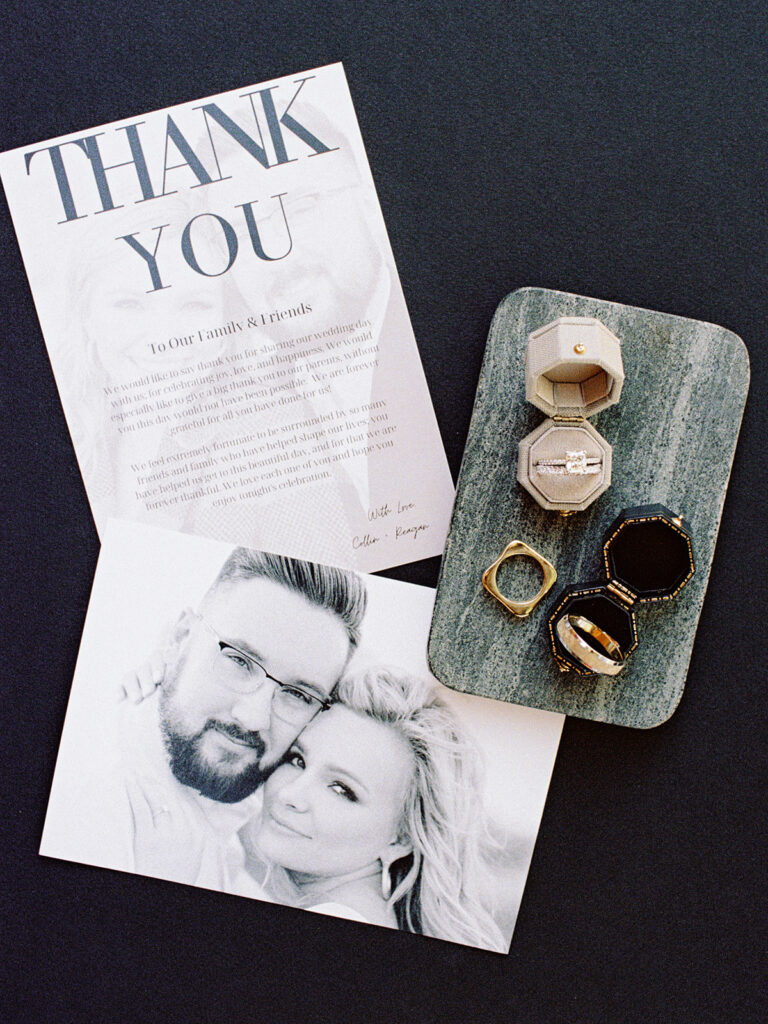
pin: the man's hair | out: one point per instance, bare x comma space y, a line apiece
338, 590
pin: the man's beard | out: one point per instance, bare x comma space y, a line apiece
191, 769
185, 750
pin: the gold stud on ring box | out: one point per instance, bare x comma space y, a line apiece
517, 548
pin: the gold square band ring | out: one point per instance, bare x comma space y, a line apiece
515, 549
569, 630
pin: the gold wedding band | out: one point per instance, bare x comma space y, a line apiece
583, 652
522, 609
609, 645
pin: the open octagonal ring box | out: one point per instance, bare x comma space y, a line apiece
647, 556
573, 370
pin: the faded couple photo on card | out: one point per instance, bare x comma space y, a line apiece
268, 727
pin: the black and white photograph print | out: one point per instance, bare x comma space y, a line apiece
268, 728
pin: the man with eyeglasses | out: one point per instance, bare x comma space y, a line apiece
244, 674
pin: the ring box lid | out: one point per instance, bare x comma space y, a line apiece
573, 367
648, 554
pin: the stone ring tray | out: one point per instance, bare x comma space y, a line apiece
673, 434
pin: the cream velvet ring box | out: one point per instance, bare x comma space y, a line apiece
673, 434
573, 369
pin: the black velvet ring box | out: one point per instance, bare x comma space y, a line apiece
647, 556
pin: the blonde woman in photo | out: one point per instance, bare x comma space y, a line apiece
375, 815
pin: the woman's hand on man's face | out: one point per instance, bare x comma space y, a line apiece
140, 683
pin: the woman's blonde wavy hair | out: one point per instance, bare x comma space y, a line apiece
436, 890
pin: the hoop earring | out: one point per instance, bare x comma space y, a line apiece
407, 883
386, 882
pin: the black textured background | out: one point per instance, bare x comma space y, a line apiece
614, 148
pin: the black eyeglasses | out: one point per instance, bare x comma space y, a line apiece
241, 673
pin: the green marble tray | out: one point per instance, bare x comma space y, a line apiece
673, 433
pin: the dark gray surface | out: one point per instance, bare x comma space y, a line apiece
673, 434
603, 149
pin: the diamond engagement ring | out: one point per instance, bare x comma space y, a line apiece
574, 464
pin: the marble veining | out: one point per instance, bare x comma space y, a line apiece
673, 434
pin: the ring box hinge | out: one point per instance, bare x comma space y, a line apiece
623, 593
567, 419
